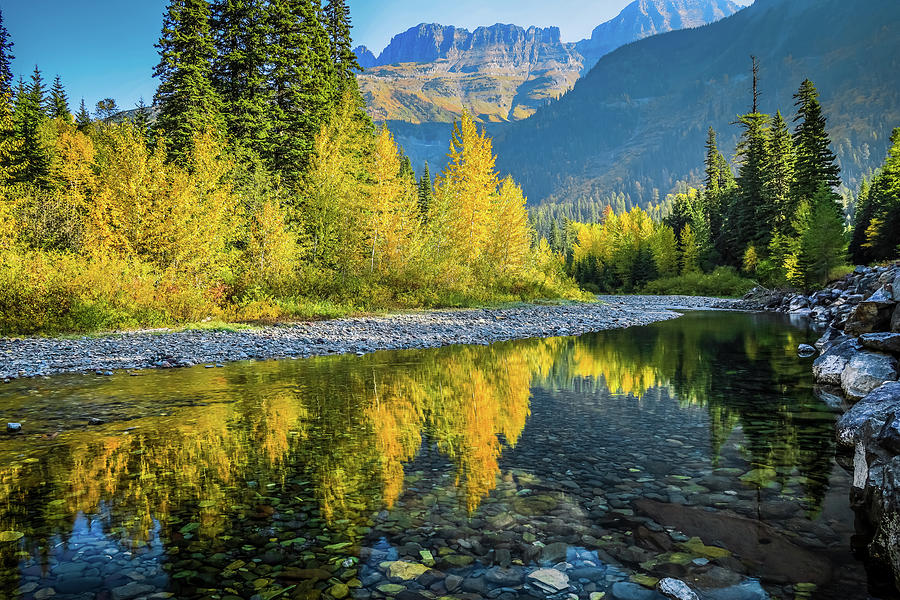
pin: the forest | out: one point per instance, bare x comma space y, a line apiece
255, 189
778, 221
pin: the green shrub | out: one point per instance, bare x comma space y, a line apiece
724, 281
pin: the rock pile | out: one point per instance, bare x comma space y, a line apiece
859, 353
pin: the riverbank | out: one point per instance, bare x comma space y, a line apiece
33, 357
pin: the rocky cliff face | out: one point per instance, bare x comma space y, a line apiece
859, 363
431, 73
644, 18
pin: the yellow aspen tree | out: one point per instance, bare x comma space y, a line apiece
665, 251
690, 253
272, 250
392, 207
510, 239
466, 186
333, 191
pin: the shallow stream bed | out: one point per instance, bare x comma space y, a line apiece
562, 467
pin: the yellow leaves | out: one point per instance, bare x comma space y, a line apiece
690, 252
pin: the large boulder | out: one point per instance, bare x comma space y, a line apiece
895, 319
865, 372
828, 367
872, 428
868, 317
872, 411
881, 342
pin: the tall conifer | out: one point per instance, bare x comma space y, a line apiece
816, 163
6, 58
188, 102
780, 204
240, 70
59, 101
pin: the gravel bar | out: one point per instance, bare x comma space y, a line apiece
34, 356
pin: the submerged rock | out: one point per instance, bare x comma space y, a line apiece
549, 580
805, 350
676, 589
13, 427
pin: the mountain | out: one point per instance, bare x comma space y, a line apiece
637, 121
431, 73
646, 18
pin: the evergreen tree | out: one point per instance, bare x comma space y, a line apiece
83, 117
240, 71
142, 117
862, 218
30, 116
779, 205
10, 142
300, 63
878, 216
58, 106
6, 58
690, 253
188, 102
815, 162
750, 225
823, 243
425, 192
336, 16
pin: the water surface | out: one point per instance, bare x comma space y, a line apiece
693, 448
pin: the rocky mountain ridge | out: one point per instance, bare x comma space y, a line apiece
431, 73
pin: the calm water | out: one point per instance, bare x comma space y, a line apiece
693, 448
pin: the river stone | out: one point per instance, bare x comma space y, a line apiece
895, 320
339, 591
624, 590
504, 577
881, 342
829, 366
749, 590
131, 590
873, 410
13, 427
405, 570
806, 351
553, 553
865, 372
549, 580
830, 335
676, 589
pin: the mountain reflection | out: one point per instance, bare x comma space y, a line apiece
331, 438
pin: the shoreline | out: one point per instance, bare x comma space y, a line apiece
36, 357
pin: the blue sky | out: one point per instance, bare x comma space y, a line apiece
104, 48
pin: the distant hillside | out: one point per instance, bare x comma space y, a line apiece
637, 122
431, 73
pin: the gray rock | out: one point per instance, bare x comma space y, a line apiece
895, 319
13, 428
865, 372
131, 590
830, 335
883, 297
624, 590
806, 351
873, 410
676, 589
553, 553
881, 342
549, 580
749, 590
828, 367
868, 317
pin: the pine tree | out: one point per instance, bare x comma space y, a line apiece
425, 192
59, 102
83, 118
815, 162
823, 243
188, 103
240, 71
300, 72
780, 202
862, 218
30, 116
6, 58
878, 214
336, 17
142, 117
750, 225
10, 142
